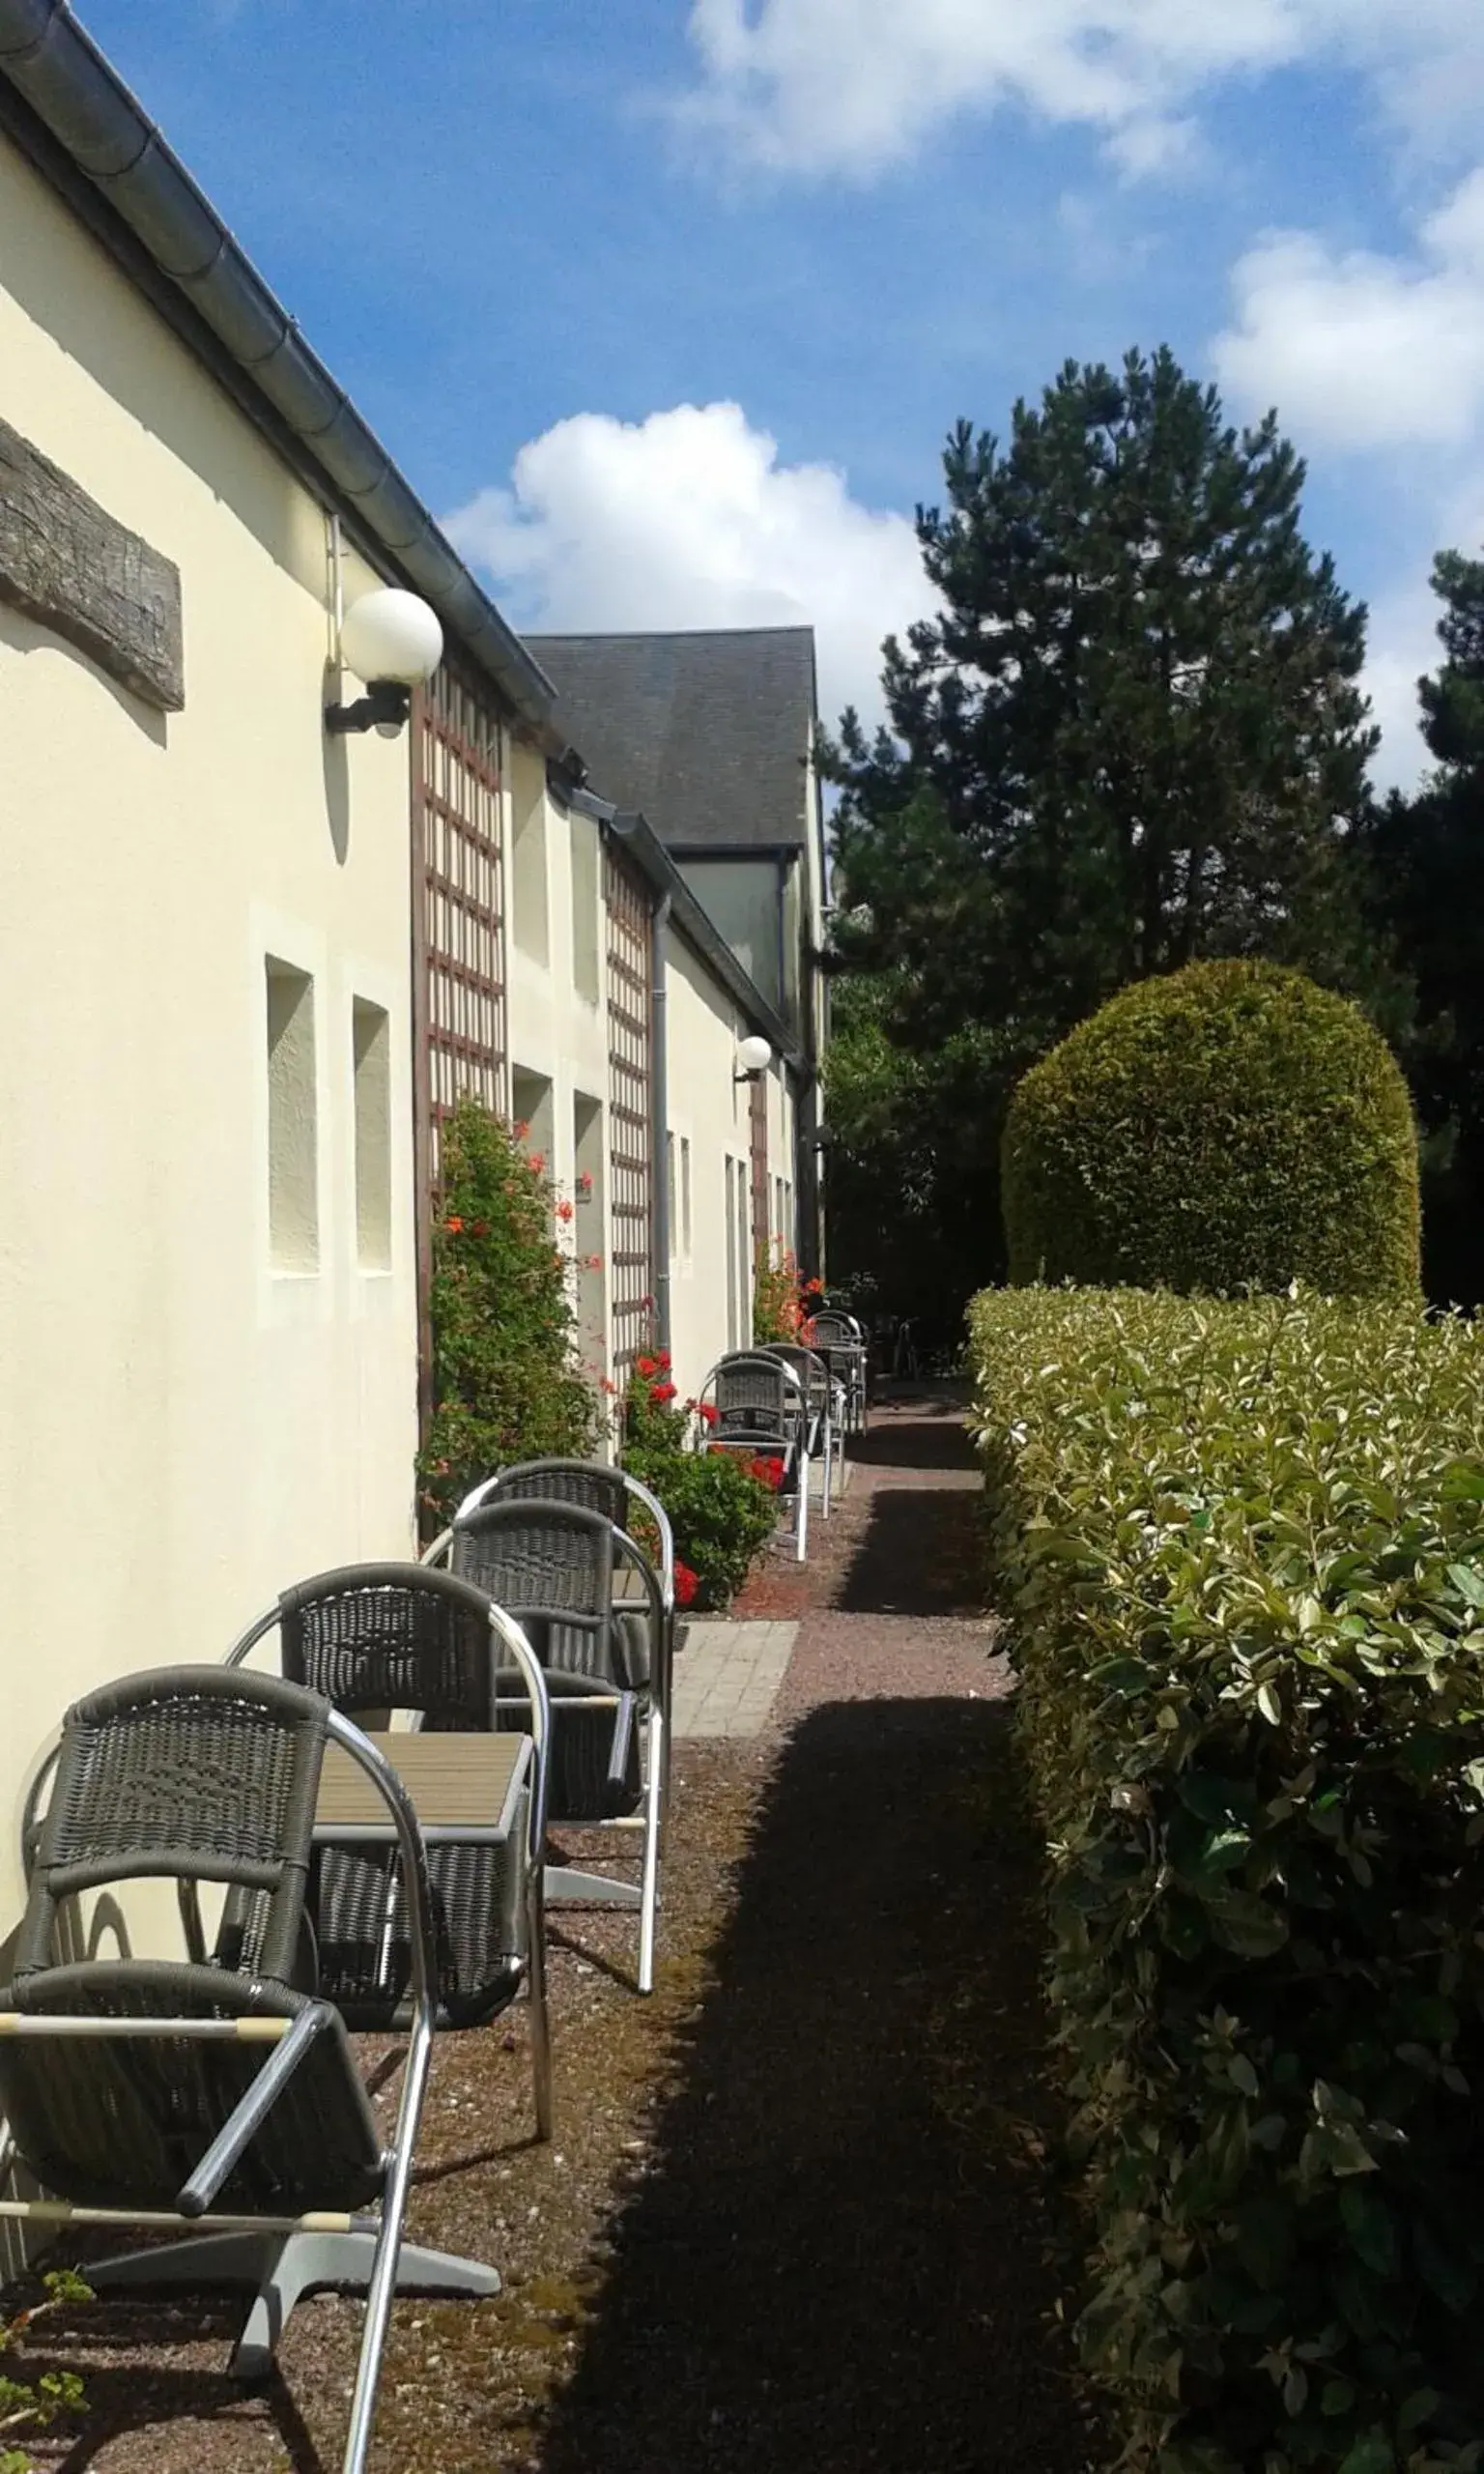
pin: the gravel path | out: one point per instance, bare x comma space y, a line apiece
799, 2212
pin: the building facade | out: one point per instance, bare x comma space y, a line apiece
248, 964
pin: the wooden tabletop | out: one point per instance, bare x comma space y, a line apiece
463, 1785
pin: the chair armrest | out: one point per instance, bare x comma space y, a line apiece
251, 2110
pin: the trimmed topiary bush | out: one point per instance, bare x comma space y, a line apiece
1230, 1127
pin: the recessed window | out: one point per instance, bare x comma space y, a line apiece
371, 1057
293, 1126
685, 1195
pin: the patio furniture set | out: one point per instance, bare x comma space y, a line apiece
358, 1837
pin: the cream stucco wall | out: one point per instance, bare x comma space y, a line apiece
184, 1429
709, 1112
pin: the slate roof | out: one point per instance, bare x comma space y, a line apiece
705, 733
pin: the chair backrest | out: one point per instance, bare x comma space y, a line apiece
592, 1484
551, 1566
191, 1773
597, 1485
833, 1328
391, 1636
810, 1367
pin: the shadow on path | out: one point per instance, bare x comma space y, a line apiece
840, 2254
920, 1551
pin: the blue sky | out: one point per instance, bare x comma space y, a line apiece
527, 236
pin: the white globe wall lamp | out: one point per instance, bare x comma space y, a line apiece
392, 641
755, 1056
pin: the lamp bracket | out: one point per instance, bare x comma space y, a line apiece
385, 705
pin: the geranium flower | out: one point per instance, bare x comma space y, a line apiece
687, 1583
661, 1393
563, 1210
647, 1365
708, 1411
454, 1225
537, 1161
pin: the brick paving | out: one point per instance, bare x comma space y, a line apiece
727, 1675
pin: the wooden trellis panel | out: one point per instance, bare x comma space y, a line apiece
630, 1147
757, 1094
460, 900
458, 939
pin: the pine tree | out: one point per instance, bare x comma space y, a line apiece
1428, 877
1132, 735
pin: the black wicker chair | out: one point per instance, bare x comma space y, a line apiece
825, 1408
381, 1638
551, 1565
599, 1487
836, 1337
225, 2100
762, 1413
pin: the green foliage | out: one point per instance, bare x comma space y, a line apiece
721, 1512
505, 1385
1240, 1548
1133, 737
1427, 889
35, 2404
1230, 1127
780, 1298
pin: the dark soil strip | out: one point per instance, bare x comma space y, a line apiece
800, 2212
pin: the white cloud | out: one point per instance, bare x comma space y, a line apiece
688, 519
1360, 350
854, 86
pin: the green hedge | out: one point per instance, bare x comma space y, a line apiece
1230, 1127
1240, 1549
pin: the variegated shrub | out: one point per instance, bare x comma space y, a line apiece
1240, 1549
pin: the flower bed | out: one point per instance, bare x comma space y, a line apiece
721, 1509
1242, 1550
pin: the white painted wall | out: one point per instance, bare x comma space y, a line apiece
182, 1429
557, 1024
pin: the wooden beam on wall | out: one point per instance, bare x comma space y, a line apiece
66, 561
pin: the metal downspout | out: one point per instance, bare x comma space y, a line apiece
659, 1093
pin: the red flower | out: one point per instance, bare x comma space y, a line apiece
647, 1365
687, 1583
537, 1162
768, 1473
605, 1384
563, 1211
454, 1225
592, 1262
708, 1411
663, 1360
661, 1393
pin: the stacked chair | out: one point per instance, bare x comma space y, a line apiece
548, 1542
824, 1409
837, 1337
218, 2096
762, 1412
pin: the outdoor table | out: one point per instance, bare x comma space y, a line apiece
471, 1793
468, 1788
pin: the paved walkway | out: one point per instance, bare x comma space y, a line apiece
727, 1675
